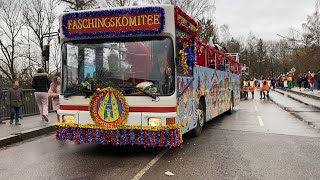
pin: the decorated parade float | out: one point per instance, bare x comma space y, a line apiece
139, 76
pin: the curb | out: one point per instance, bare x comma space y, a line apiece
293, 113
316, 107
301, 93
26, 134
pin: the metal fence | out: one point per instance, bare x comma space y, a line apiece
29, 108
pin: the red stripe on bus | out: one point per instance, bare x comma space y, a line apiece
131, 109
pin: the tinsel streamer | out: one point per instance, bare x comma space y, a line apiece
127, 137
59, 133
171, 138
69, 134
111, 12
149, 138
162, 138
117, 138
124, 136
113, 142
107, 136
103, 137
136, 137
145, 138
96, 136
73, 130
175, 137
87, 135
66, 133
166, 138
80, 135
140, 137
153, 135
91, 135
77, 135
120, 137
131, 136
158, 135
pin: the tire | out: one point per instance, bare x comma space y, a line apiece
200, 121
229, 112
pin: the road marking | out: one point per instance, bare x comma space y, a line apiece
149, 165
255, 108
260, 121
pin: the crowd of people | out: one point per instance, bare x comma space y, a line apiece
307, 80
44, 88
263, 84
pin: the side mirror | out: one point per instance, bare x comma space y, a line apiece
45, 53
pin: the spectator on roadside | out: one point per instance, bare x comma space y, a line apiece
54, 91
290, 80
299, 81
305, 81
311, 81
273, 83
1, 99
41, 84
317, 77
15, 99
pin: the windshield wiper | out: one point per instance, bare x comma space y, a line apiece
74, 93
144, 92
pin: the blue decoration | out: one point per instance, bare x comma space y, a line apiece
66, 133
80, 135
140, 137
149, 135
166, 138
124, 136
131, 137
73, 130
96, 136
158, 135
110, 13
117, 137
190, 57
103, 137
88, 135
175, 137
59, 133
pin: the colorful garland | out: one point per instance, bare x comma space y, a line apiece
148, 138
109, 13
94, 108
185, 22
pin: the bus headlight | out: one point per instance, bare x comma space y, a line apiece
68, 118
154, 121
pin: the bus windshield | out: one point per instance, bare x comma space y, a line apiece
125, 62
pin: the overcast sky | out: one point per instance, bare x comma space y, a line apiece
265, 18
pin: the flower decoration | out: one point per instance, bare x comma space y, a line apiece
87, 85
183, 62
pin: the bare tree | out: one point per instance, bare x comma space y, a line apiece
40, 18
77, 5
11, 25
117, 3
196, 9
55, 54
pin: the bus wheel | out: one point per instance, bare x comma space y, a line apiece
229, 112
200, 114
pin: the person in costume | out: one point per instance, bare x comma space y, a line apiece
263, 87
252, 87
246, 85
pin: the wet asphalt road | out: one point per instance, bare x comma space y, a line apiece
259, 141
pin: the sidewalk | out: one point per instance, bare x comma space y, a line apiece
306, 113
30, 127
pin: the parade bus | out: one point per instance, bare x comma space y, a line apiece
140, 76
